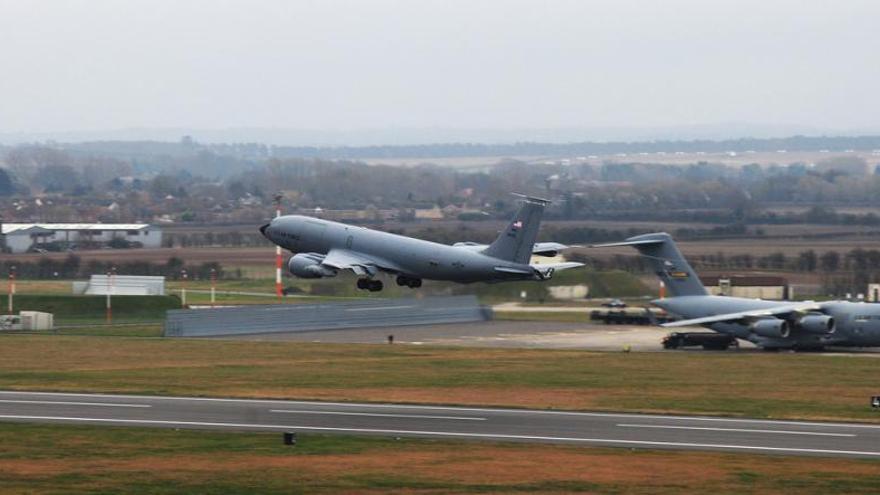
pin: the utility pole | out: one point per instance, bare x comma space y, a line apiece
11, 287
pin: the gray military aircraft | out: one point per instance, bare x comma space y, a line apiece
769, 324
324, 247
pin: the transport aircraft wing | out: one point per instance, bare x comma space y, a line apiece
359, 263
781, 310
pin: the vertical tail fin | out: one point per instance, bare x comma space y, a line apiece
515, 243
668, 263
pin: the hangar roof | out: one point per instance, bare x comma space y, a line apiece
9, 228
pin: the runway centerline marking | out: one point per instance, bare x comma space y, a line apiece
383, 308
69, 403
738, 430
378, 415
488, 410
493, 436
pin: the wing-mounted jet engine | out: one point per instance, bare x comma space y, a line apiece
308, 265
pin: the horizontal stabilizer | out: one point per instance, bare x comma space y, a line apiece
557, 266
629, 243
518, 271
533, 199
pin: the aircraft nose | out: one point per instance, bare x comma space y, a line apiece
263, 230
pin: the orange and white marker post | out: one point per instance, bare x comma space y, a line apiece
110, 275
279, 290
662, 290
183, 288
11, 287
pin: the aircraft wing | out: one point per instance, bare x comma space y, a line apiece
780, 310
359, 263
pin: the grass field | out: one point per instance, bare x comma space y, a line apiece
538, 315
69, 309
757, 385
82, 459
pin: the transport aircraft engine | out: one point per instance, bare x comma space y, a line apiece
772, 328
305, 265
817, 323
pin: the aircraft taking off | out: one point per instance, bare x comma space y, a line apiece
768, 324
324, 247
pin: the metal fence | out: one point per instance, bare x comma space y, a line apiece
325, 316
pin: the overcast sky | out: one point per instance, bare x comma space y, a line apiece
330, 64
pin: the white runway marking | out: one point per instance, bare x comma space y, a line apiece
378, 415
738, 430
383, 308
451, 434
67, 403
451, 408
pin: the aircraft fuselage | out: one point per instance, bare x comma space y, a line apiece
414, 258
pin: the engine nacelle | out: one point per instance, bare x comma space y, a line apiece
817, 324
772, 328
308, 266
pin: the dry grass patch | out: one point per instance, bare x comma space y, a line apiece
88, 459
757, 385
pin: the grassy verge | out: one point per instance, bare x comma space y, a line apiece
538, 315
85, 459
69, 309
757, 385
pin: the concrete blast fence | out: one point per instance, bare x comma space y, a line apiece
244, 320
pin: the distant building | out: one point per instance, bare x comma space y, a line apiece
752, 286
22, 237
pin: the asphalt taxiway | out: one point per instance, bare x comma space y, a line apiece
469, 423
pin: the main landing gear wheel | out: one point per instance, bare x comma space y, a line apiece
370, 285
412, 283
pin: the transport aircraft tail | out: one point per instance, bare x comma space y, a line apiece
516, 241
668, 263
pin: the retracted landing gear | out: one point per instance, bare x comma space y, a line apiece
369, 284
412, 283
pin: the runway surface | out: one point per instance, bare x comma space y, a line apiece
595, 429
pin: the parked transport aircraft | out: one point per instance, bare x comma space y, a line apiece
768, 324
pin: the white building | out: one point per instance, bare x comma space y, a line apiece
20, 237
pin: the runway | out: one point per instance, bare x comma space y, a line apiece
470, 423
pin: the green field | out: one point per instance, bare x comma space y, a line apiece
538, 315
749, 384
84, 459
69, 309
